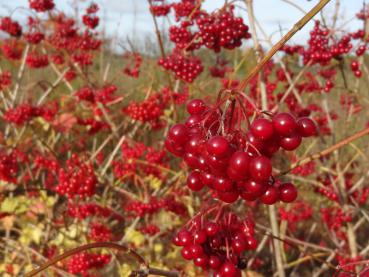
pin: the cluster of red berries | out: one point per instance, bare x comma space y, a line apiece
222, 30
5, 79
150, 110
160, 8
81, 263
11, 27
99, 232
217, 245
184, 68
9, 167
103, 95
136, 59
90, 19
355, 67
320, 50
150, 230
37, 60
34, 37
76, 179
12, 50
93, 126
234, 165
41, 5
23, 113
84, 210
139, 209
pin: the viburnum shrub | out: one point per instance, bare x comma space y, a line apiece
213, 152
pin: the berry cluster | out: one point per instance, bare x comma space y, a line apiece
99, 232
9, 167
41, 5
34, 37
11, 27
90, 19
234, 164
184, 68
134, 70
23, 113
12, 50
159, 8
76, 179
5, 79
355, 67
222, 30
81, 263
219, 244
36, 60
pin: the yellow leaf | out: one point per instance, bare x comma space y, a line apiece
134, 237
158, 247
125, 270
30, 233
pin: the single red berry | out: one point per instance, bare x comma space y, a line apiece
200, 237
211, 228
287, 192
196, 250
194, 181
178, 133
201, 261
284, 123
255, 188
291, 142
239, 245
222, 184
228, 269
270, 196
228, 196
260, 168
185, 238
196, 106
238, 165
262, 128
306, 127
252, 243
186, 253
218, 146
214, 262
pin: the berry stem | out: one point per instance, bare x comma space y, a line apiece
74, 251
327, 151
298, 26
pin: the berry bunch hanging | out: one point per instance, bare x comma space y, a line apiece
231, 162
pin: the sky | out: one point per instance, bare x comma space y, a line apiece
131, 20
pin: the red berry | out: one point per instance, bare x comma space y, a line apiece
211, 228
228, 269
218, 146
186, 253
200, 237
262, 128
222, 184
255, 188
228, 196
287, 192
284, 123
178, 133
260, 168
196, 106
270, 196
291, 142
214, 262
185, 238
238, 165
194, 181
306, 127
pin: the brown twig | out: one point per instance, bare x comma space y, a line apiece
327, 151
74, 251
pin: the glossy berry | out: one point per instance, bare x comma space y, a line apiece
262, 128
194, 181
228, 269
306, 127
260, 168
178, 133
196, 106
291, 142
214, 262
271, 196
218, 146
211, 228
287, 192
238, 165
253, 187
284, 123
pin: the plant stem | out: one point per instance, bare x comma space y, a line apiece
74, 251
298, 26
327, 151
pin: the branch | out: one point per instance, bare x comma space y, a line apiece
327, 151
74, 251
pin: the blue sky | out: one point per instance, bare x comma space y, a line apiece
130, 18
